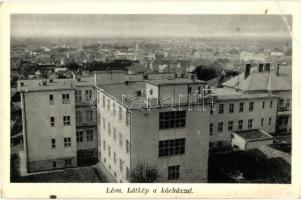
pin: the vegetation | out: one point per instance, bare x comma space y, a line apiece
143, 173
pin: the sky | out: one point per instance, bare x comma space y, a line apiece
98, 25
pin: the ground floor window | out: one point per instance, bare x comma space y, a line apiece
68, 162
174, 172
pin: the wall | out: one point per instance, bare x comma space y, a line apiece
108, 136
145, 137
39, 131
257, 113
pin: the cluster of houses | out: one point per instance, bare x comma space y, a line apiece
117, 120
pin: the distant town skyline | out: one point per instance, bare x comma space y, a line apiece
137, 25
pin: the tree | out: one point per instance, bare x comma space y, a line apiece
143, 173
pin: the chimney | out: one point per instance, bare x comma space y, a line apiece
247, 71
260, 68
267, 67
277, 72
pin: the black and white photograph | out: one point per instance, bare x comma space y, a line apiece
150, 98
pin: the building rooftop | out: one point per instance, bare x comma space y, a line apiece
261, 81
230, 94
177, 81
56, 84
254, 135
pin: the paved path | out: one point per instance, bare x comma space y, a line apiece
273, 153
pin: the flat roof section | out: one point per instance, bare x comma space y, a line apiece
254, 135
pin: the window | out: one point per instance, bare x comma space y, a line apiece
109, 150
66, 120
65, 98
78, 95
211, 108
220, 126
51, 101
281, 103
286, 120
120, 165
172, 119
271, 103
127, 147
89, 115
171, 147
54, 164
263, 104
230, 125
114, 108
270, 120
115, 157
189, 90
128, 118
68, 162
127, 174
120, 140
67, 141
89, 135
53, 143
262, 120
104, 145
288, 102
78, 115
109, 104
199, 90
221, 108
251, 106
109, 128
52, 123
79, 136
241, 107
250, 123
211, 128
231, 108
104, 123
103, 101
240, 124
88, 95
120, 113
174, 172
114, 133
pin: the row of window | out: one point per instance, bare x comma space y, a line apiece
68, 163
240, 108
78, 95
121, 164
220, 126
107, 104
65, 99
171, 147
80, 135
66, 121
79, 116
127, 145
172, 119
287, 104
67, 142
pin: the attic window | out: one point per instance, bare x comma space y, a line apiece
151, 91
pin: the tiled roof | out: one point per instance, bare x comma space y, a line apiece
260, 81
